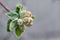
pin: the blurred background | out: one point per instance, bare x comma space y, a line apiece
46, 24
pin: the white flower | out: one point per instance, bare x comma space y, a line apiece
20, 21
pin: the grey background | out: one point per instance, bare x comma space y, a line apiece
46, 24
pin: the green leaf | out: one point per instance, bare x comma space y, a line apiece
17, 10
12, 25
8, 23
19, 30
19, 7
12, 15
33, 17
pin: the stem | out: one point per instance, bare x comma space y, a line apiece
6, 8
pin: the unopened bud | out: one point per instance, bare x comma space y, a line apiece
29, 14
20, 21
30, 24
26, 13
26, 19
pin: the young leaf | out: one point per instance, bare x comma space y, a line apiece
13, 25
33, 17
8, 23
12, 15
18, 8
18, 31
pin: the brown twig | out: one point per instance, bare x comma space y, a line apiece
3, 5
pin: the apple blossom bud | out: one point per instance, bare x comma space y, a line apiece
26, 19
26, 13
31, 20
20, 21
29, 14
30, 24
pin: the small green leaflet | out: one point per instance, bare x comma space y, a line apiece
33, 17
19, 7
19, 30
12, 15
12, 25
8, 23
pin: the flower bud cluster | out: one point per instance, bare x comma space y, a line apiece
26, 19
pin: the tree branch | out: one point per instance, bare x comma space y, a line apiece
3, 5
